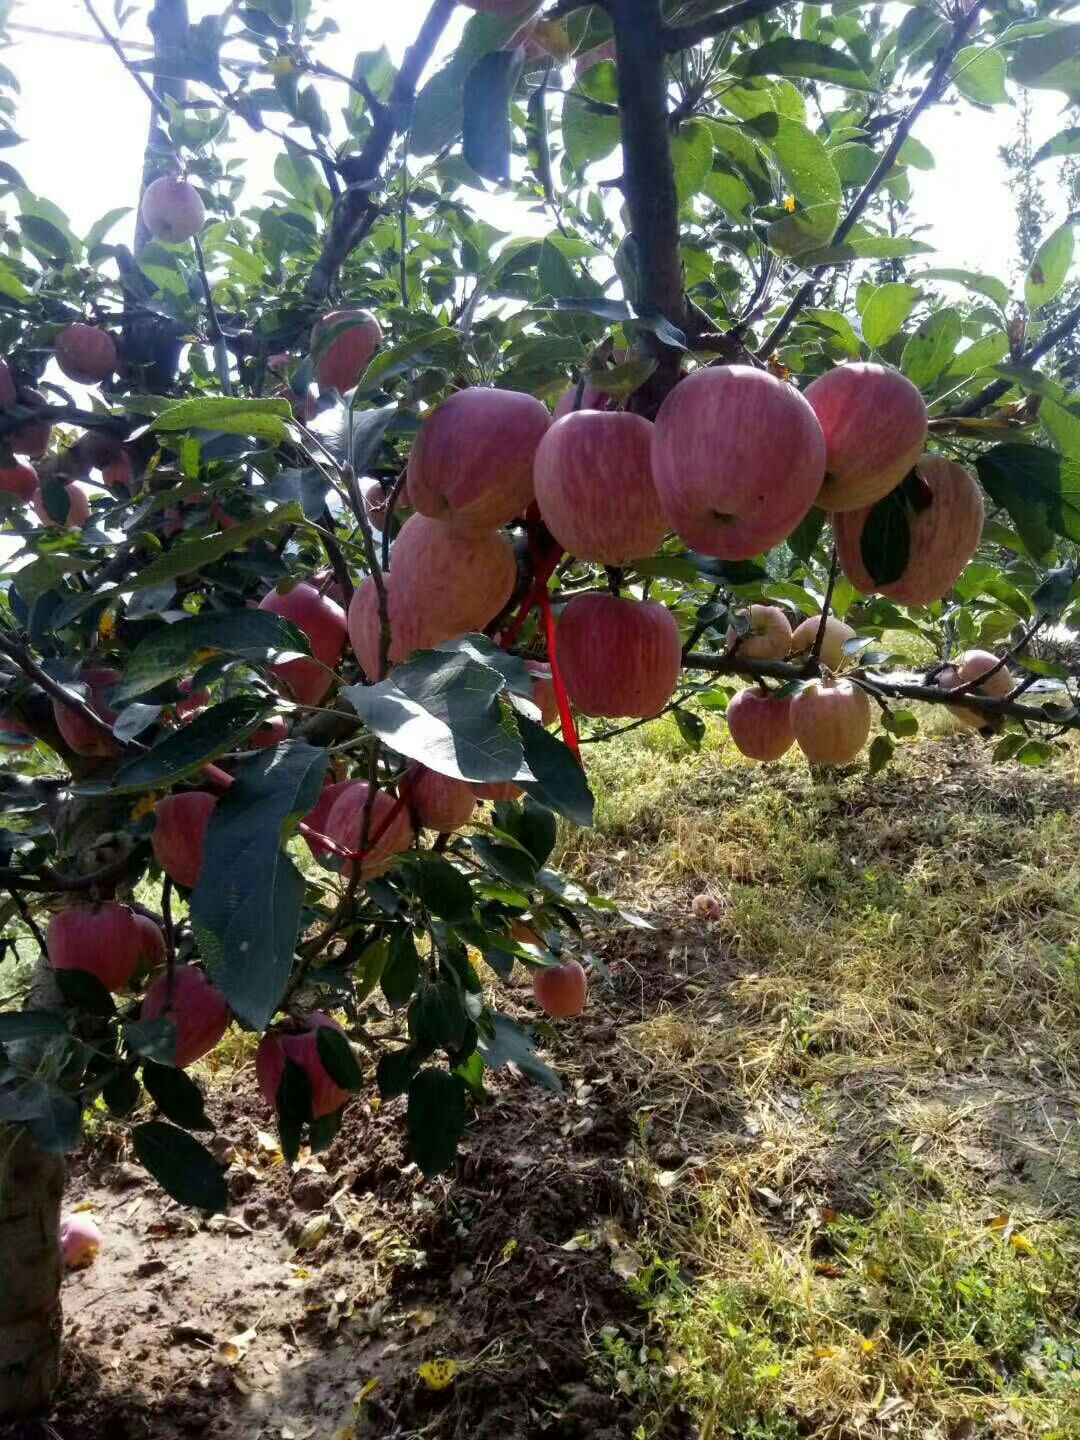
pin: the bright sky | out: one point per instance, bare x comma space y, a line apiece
85, 123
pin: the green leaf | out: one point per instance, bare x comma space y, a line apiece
245, 909
587, 135
806, 167
182, 1167
402, 969
863, 245
509, 1043
902, 723
882, 750
486, 132
441, 887
292, 1105
171, 650
193, 555
560, 781
1054, 592
803, 539
932, 346
692, 156
214, 732
979, 356
338, 1059
155, 1039
1050, 267
978, 72
1066, 142
885, 545
1050, 61
437, 1018
436, 1120
1038, 487
839, 326
265, 419
31, 1025
439, 110
994, 289
885, 312
176, 1095
803, 59
691, 727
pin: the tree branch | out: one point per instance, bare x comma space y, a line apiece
110, 39
935, 87
168, 23
682, 37
1046, 342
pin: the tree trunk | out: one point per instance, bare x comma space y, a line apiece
31, 1189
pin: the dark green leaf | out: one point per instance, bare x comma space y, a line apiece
886, 539
807, 59
437, 1018
1038, 487
58, 1128
436, 1120
560, 781
84, 992
193, 555
1067, 142
932, 346
402, 969
509, 865
265, 419
31, 1025
804, 538
1050, 598
171, 650
292, 1104
441, 887
1050, 267
486, 131
396, 1069
338, 1059
121, 1092
691, 727
155, 1039
182, 1167
537, 830
882, 750
214, 732
510, 1044
176, 1095
903, 724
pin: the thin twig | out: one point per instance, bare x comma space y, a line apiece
217, 335
819, 633
28, 919
682, 37
110, 39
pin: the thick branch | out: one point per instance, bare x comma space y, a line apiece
935, 88
356, 211
681, 37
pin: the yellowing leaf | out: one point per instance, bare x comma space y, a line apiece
313, 1232
508, 1250
1022, 1245
789, 204
438, 1374
107, 625
347, 1432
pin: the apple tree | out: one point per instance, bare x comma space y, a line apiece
586, 368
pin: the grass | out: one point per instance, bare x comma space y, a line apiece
869, 1064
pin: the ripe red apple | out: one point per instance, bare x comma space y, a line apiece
594, 486
19, 480
769, 636
13, 736
561, 990
944, 536
837, 634
973, 664
386, 837
618, 658
348, 355
86, 353
543, 692
79, 735
462, 574
473, 459
316, 819
272, 733
193, 703
496, 790
874, 423
103, 940
153, 951
78, 508
80, 1241
738, 459
179, 834
414, 625
172, 210
298, 1041
591, 399
197, 1009
760, 724
119, 474
33, 437
438, 802
323, 623
831, 720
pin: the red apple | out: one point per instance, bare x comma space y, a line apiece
473, 459
738, 459
462, 574
19, 480
193, 703
769, 636
179, 835
561, 990
973, 665
348, 355
874, 423
298, 1042
80, 1241
86, 353
119, 474
323, 623
705, 907
386, 837
33, 437
413, 625
272, 733
438, 802
618, 658
591, 399
831, 720
197, 1009
80, 736
103, 940
172, 210
153, 950
944, 535
760, 724
78, 508
837, 634
316, 819
594, 486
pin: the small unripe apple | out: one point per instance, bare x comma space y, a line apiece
837, 634
386, 837
85, 353
496, 790
760, 724
944, 535
705, 907
874, 422
831, 720
594, 486
32, 438
473, 459
768, 638
103, 940
618, 658
561, 990
316, 818
738, 459
19, 480
438, 802
172, 210
298, 1042
80, 1241
197, 1009
348, 355
179, 834
82, 737
323, 622
272, 733
462, 574
78, 511
973, 665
